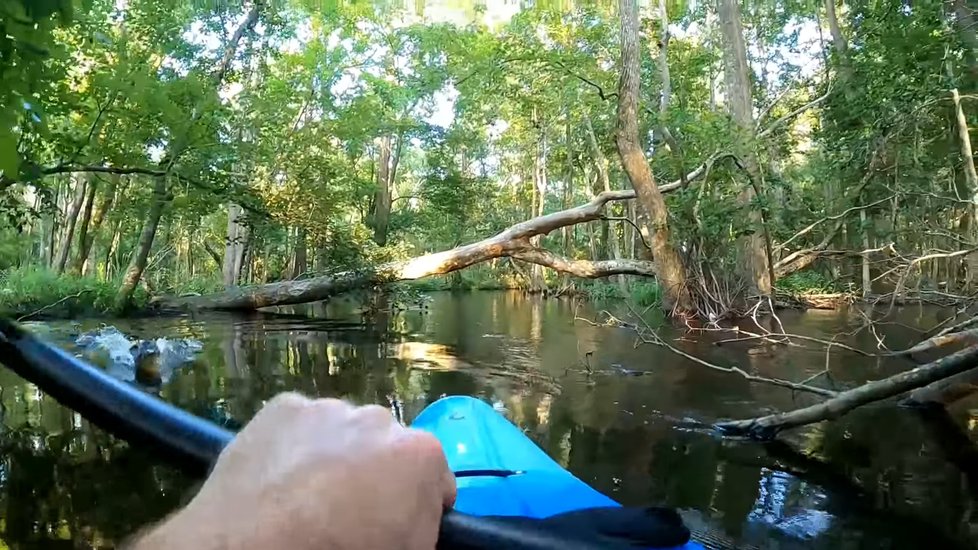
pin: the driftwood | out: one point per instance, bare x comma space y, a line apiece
766, 427
514, 242
834, 300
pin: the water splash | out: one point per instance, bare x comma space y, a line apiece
148, 362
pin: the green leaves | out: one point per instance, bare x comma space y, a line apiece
9, 158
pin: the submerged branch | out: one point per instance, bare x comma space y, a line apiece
766, 427
649, 336
830, 344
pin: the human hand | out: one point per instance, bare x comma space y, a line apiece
317, 474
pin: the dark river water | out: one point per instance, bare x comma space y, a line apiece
881, 477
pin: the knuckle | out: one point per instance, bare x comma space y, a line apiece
332, 405
288, 401
374, 414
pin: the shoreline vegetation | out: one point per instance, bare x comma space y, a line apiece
34, 293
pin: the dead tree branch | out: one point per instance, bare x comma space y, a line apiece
53, 305
513, 242
777, 123
840, 215
828, 343
766, 427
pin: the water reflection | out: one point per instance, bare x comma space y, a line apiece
882, 477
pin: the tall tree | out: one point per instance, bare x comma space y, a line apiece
82, 265
383, 196
754, 247
80, 181
161, 195
668, 263
84, 227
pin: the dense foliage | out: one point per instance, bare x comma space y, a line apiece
187, 146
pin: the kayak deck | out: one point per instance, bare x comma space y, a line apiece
501, 472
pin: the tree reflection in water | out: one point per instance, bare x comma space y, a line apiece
881, 477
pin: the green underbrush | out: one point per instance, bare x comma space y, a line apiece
40, 292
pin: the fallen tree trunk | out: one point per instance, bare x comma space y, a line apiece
766, 427
944, 392
514, 242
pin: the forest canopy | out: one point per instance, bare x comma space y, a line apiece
727, 151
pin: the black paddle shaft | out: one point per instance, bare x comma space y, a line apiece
193, 444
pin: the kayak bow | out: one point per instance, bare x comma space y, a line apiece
501, 472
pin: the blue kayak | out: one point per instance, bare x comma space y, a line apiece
499, 471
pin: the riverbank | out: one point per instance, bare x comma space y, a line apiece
32, 293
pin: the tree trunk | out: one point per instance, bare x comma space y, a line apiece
161, 197
112, 249
753, 248
601, 163
665, 80
299, 260
970, 174
382, 197
668, 265
711, 25
83, 230
964, 21
867, 278
838, 39
213, 253
967, 154
944, 392
841, 47
83, 265
234, 246
71, 220
665, 95
568, 184
48, 229
537, 283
